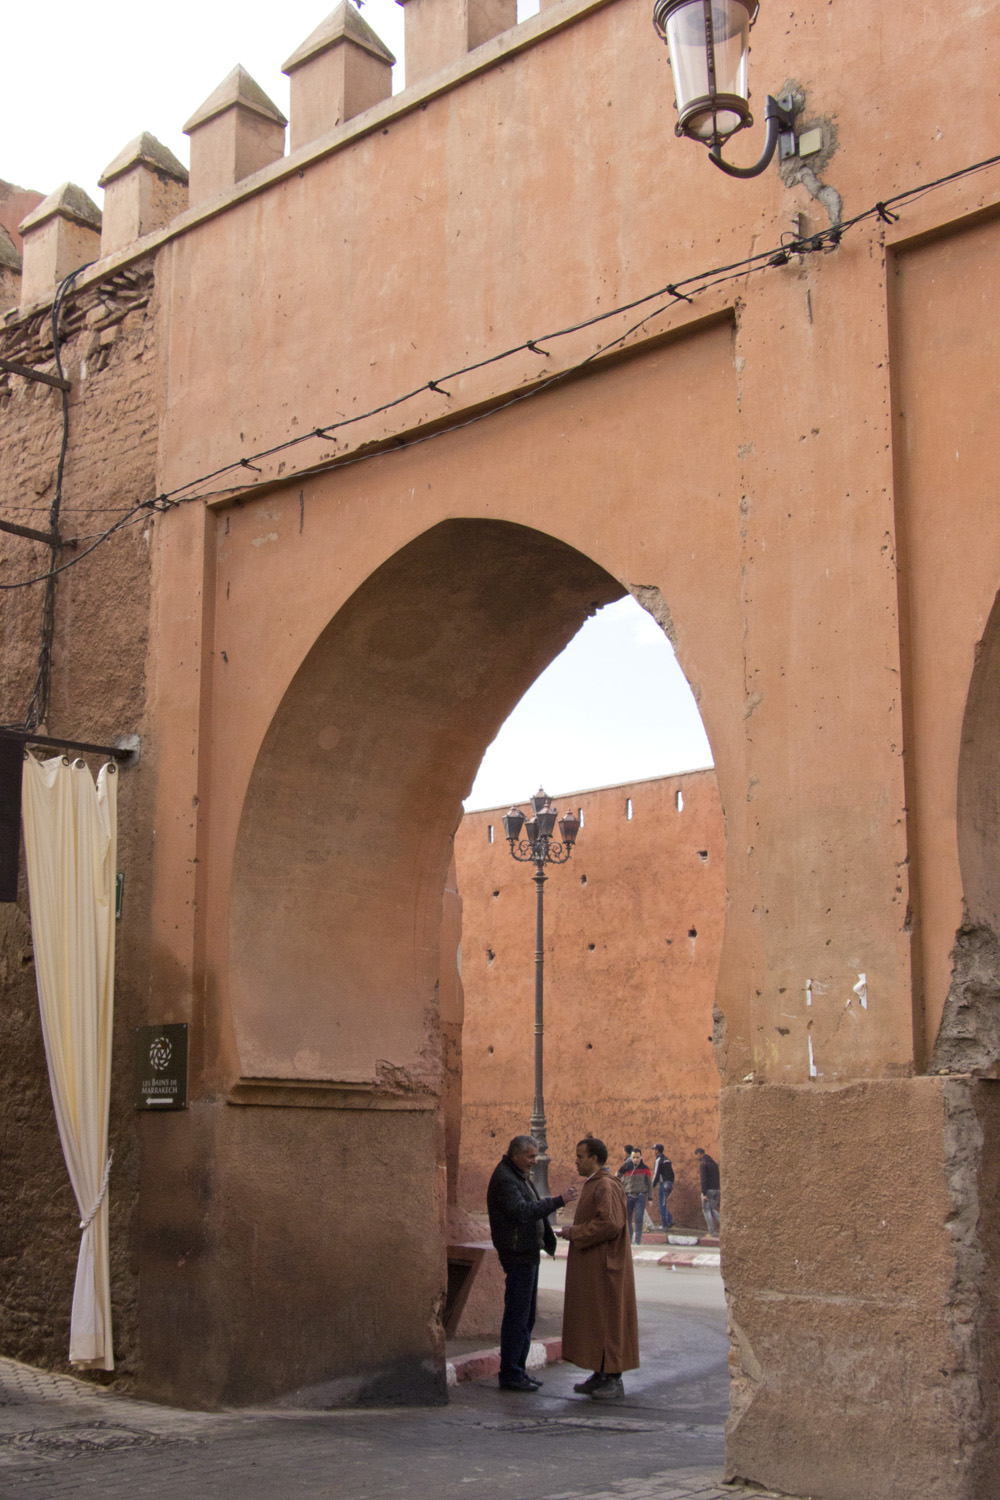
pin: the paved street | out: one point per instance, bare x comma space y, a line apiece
59, 1438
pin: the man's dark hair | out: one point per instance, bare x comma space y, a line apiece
596, 1148
700, 1151
627, 1149
521, 1143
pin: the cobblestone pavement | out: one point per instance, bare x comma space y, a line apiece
64, 1439
60, 1437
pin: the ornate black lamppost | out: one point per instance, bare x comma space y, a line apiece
538, 847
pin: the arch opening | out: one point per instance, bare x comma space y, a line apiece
629, 994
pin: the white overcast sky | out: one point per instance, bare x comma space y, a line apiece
80, 82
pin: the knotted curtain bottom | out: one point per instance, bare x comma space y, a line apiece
70, 837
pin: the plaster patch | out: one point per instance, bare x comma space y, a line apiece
649, 596
969, 1038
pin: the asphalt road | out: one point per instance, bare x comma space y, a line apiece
663, 1442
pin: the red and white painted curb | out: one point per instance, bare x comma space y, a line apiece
483, 1363
703, 1259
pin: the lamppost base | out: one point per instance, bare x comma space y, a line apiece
540, 1175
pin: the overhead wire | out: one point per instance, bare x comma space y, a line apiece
38, 703
696, 284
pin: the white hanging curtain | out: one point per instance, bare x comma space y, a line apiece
70, 837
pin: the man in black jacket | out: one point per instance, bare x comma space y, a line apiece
520, 1230
710, 1188
663, 1183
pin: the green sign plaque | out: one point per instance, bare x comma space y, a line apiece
161, 1067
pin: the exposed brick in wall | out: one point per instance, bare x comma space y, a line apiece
629, 989
97, 693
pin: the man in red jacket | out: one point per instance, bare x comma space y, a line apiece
637, 1180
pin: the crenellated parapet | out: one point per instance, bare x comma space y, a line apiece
236, 132
60, 235
10, 271
439, 33
340, 70
144, 188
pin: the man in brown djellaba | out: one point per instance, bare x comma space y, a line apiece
600, 1323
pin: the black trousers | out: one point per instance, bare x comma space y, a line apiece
520, 1298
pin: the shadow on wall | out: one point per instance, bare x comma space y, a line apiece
357, 792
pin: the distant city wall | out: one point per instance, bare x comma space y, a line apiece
633, 932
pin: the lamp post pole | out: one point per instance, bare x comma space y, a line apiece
540, 849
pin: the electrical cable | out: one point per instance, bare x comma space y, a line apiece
38, 703
823, 240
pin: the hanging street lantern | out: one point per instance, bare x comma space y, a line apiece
709, 44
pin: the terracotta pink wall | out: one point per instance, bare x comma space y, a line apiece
795, 473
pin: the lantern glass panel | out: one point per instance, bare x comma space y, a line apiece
513, 822
546, 821
696, 85
569, 827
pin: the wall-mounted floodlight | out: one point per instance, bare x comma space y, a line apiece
709, 42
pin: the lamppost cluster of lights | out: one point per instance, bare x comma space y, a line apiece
531, 841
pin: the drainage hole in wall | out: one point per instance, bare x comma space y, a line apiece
495, 894
692, 932
490, 955
702, 853
591, 947
583, 880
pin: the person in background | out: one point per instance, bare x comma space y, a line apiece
520, 1231
627, 1162
663, 1183
711, 1192
637, 1180
600, 1324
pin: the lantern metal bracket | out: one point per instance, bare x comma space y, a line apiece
779, 115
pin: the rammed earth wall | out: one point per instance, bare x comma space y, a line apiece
100, 645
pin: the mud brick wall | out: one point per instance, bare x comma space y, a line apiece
98, 692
